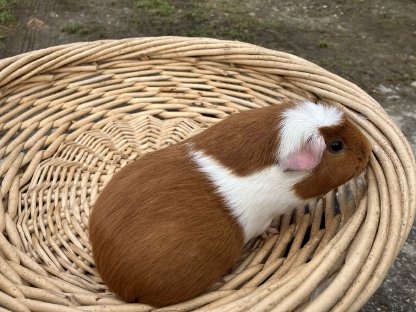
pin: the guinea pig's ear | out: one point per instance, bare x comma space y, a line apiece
307, 157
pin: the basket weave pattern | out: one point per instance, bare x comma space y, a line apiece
71, 116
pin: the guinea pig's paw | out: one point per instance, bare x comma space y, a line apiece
269, 230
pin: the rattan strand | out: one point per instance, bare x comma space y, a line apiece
72, 115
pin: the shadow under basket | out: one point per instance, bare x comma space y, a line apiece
73, 115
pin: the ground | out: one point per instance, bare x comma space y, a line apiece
371, 43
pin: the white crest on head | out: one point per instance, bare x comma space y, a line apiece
254, 200
301, 124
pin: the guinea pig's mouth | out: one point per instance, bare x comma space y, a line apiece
363, 163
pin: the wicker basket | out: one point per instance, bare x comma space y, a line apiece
72, 115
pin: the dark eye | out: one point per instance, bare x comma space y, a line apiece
336, 146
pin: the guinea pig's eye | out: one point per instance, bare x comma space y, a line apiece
336, 146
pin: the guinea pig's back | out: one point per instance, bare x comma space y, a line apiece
159, 233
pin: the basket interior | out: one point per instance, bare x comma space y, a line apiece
56, 203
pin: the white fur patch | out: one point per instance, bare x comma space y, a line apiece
302, 123
255, 199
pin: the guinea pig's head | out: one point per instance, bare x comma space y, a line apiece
321, 139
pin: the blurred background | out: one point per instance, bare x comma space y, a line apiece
369, 42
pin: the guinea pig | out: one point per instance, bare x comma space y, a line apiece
170, 224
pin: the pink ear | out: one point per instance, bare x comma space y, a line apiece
307, 157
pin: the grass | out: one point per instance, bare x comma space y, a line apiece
212, 19
196, 18
156, 7
7, 17
76, 28
322, 44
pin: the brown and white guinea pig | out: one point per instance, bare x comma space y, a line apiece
169, 225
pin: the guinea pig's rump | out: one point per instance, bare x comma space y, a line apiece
162, 241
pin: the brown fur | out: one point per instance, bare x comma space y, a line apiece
336, 169
245, 142
159, 232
